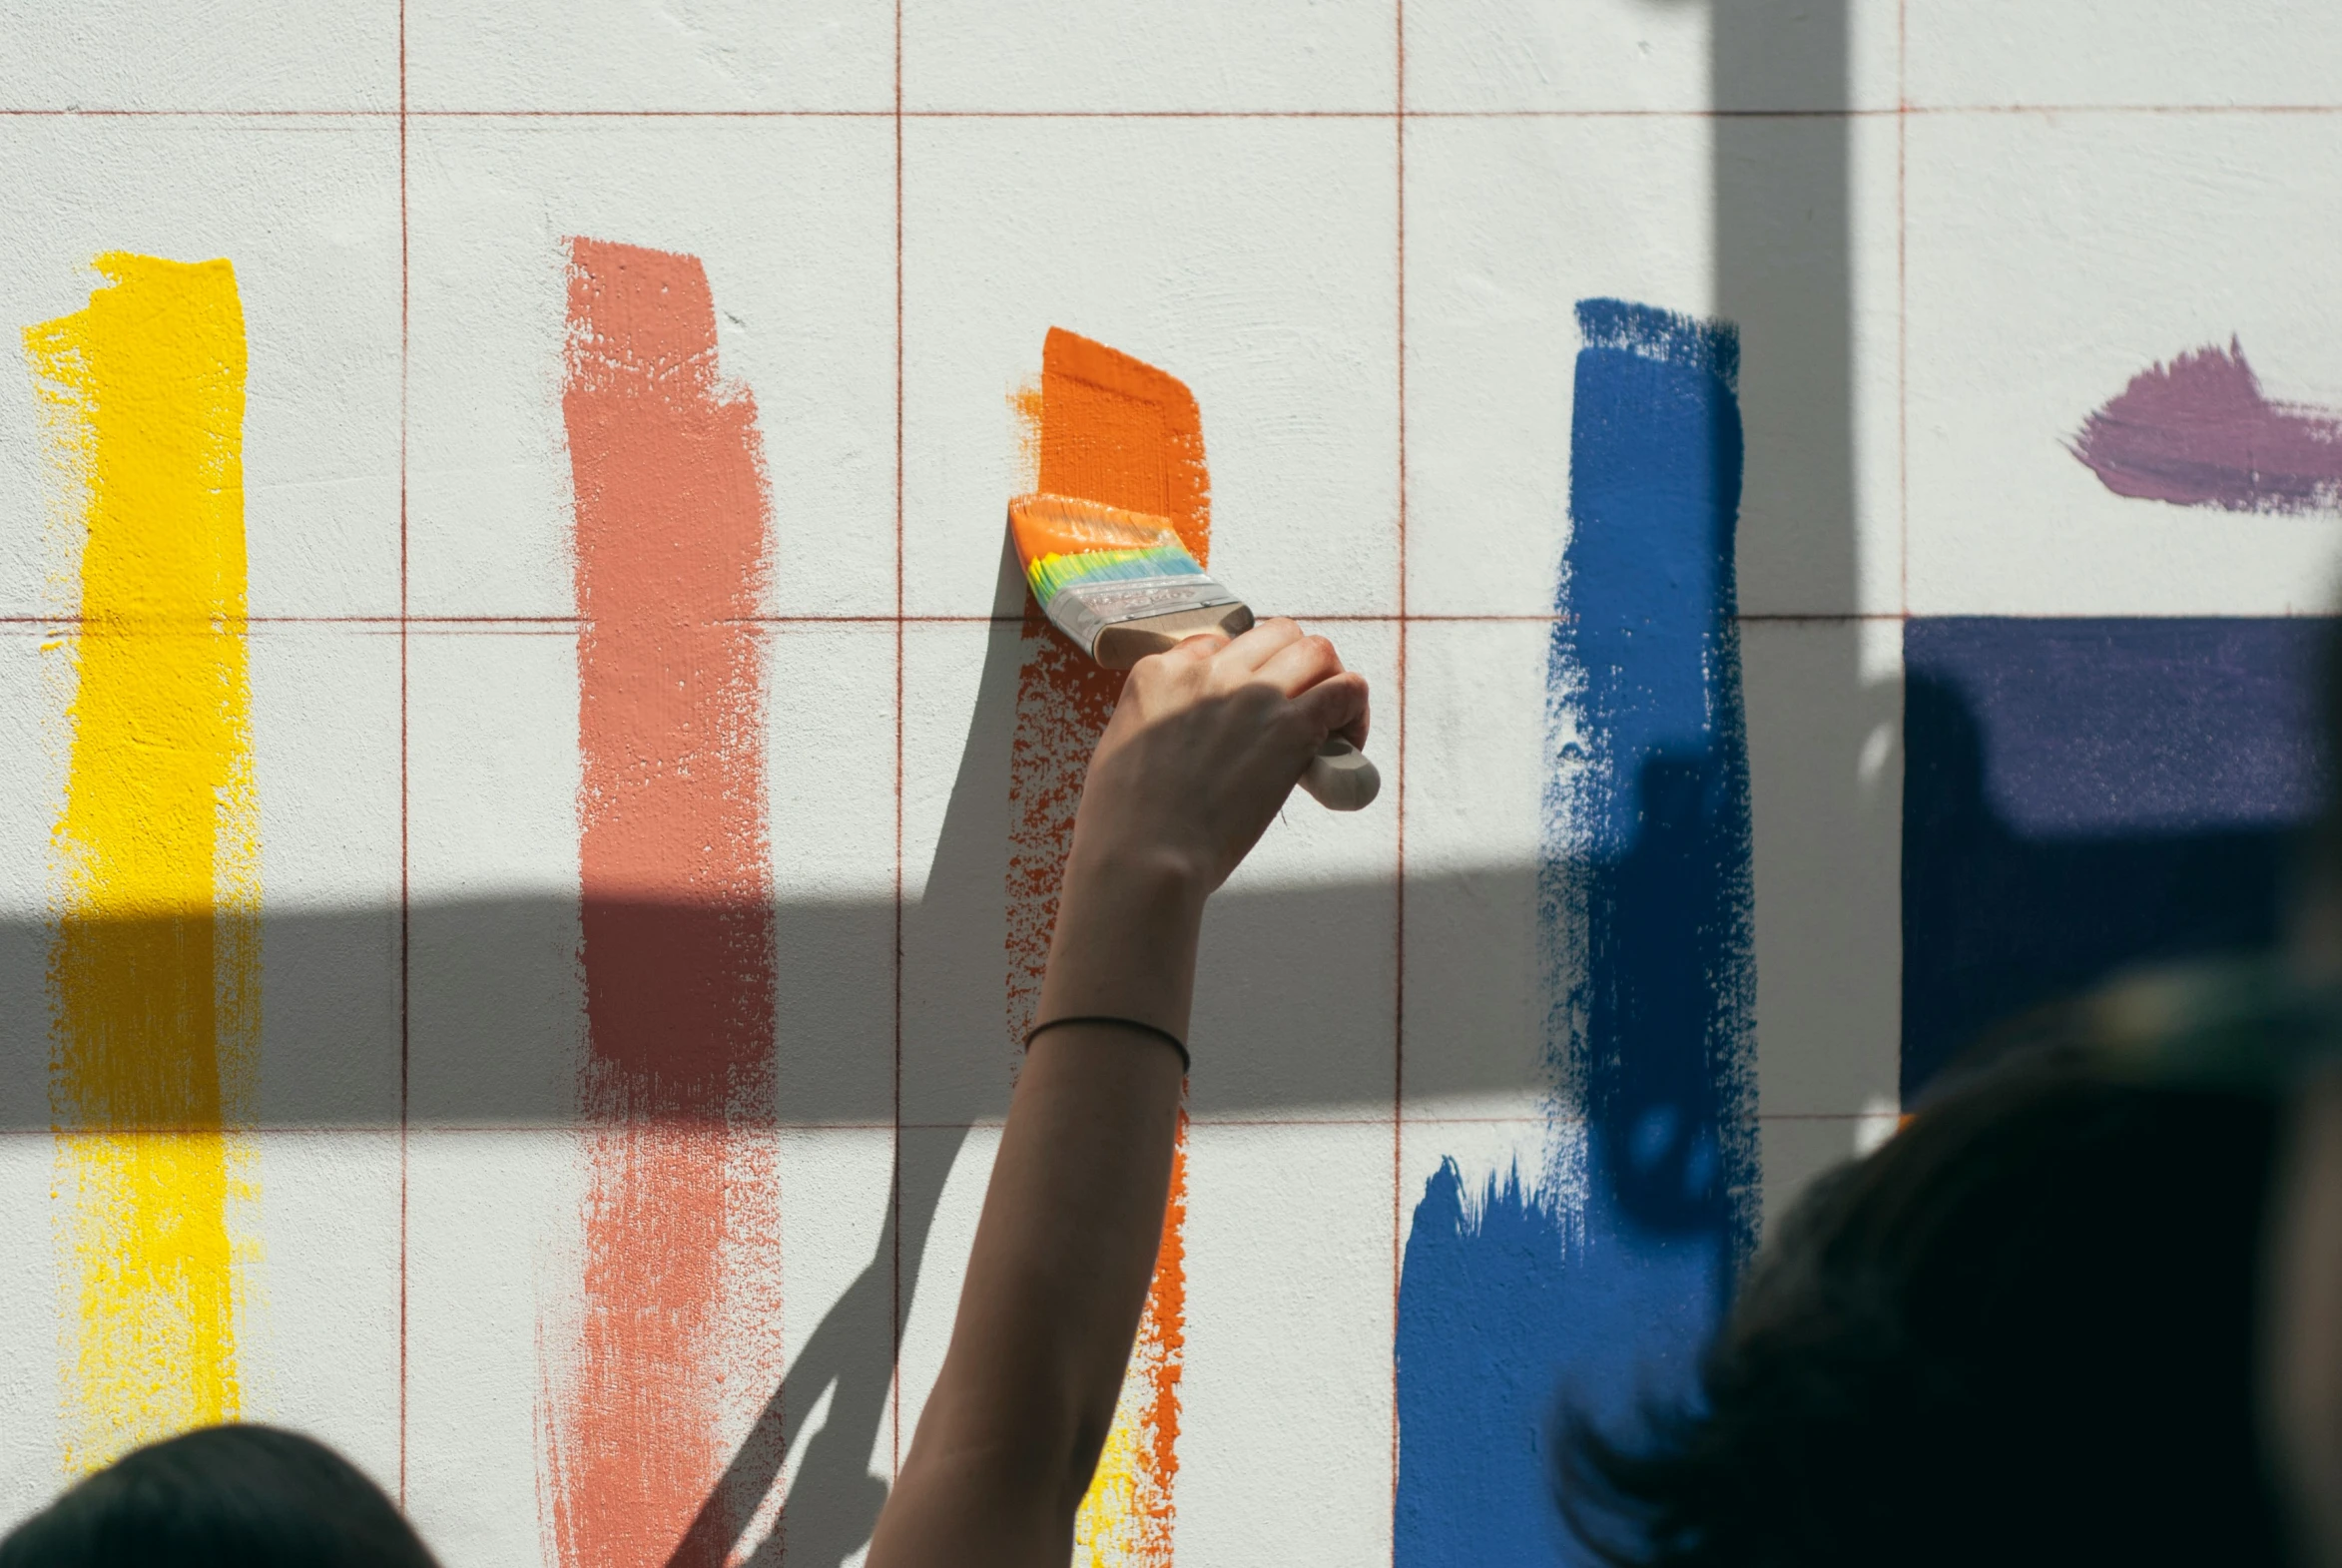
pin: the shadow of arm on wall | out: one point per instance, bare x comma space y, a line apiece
844, 1376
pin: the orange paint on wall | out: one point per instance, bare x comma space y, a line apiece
1118, 431
1115, 429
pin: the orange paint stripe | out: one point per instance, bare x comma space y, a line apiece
1113, 430
1118, 431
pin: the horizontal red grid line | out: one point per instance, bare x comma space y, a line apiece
1200, 1119
2120, 109
1847, 617
337, 620
565, 626
571, 623
1879, 112
390, 116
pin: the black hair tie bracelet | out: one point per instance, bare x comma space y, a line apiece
1164, 1035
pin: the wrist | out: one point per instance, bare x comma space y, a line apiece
1156, 885
1125, 940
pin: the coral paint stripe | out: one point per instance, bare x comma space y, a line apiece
153, 969
1117, 431
671, 519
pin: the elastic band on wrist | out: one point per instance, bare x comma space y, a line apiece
1164, 1035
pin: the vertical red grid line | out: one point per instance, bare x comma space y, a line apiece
403, 899
1903, 309
1399, 877
895, 1381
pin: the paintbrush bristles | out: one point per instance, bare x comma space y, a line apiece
1062, 540
1119, 584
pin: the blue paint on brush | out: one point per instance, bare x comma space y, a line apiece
2081, 796
1601, 1284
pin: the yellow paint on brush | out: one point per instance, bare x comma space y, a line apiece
152, 970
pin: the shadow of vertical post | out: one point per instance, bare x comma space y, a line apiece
1781, 181
1782, 187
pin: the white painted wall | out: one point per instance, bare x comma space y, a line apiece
893, 202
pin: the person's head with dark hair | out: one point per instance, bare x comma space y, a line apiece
2021, 1332
221, 1497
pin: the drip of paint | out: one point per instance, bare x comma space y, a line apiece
671, 537
1116, 431
1601, 1282
2200, 432
154, 966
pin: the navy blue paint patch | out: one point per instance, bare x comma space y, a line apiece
2084, 795
1603, 1285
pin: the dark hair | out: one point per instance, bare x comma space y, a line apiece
2021, 1332
221, 1497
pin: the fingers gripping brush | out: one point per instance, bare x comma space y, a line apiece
1121, 586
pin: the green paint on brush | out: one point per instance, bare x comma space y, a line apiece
1050, 573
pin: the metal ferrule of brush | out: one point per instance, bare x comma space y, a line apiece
1119, 621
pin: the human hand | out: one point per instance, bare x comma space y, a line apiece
1204, 747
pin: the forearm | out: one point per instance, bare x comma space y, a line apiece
1066, 1243
1205, 744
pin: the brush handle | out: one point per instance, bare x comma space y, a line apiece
1340, 778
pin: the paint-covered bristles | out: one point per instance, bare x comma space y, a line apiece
1063, 541
1053, 572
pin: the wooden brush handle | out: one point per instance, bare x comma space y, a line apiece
1340, 778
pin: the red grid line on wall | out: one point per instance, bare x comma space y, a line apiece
1399, 789
1375, 1119
404, 625
894, 1198
1686, 111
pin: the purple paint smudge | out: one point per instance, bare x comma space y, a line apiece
2201, 433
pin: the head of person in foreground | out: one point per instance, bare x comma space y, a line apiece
221, 1497
2042, 1323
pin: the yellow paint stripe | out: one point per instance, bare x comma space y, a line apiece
153, 969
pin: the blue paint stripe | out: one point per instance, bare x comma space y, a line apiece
1601, 1278
1655, 821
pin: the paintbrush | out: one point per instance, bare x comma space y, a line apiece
1121, 586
